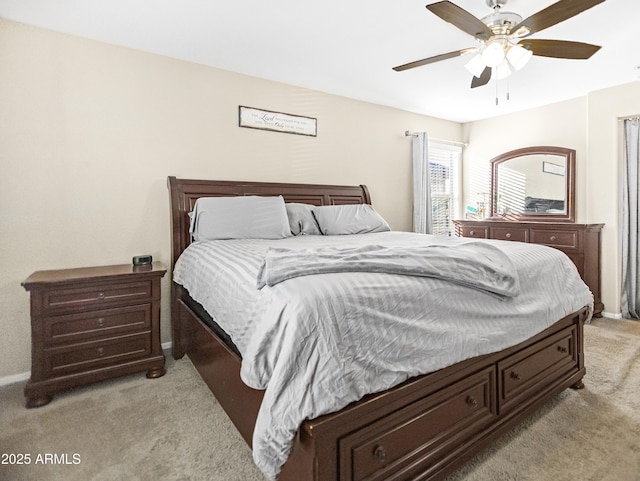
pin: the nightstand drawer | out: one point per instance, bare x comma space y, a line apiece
96, 324
555, 238
81, 298
91, 355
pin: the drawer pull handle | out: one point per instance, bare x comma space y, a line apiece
471, 401
380, 453
553, 238
101, 295
515, 375
562, 349
508, 236
101, 322
100, 351
472, 232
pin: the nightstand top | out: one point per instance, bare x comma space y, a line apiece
80, 274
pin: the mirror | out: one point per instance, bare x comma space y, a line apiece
534, 184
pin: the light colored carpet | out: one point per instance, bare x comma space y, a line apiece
172, 428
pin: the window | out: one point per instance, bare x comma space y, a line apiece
444, 177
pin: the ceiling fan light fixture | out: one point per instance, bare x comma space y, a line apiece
518, 56
476, 66
493, 54
498, 37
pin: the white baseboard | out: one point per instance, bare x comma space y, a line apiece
611, 315
24, 376
14, 378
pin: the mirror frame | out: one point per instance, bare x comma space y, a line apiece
570, 184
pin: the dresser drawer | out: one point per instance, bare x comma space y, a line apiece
96, 324
91, 355
385, 449
555, 238
479, 232
520, 375
71, 299
509, 233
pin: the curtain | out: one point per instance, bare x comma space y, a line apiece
422, 220
629, 223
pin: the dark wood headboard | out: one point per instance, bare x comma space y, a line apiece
184, 193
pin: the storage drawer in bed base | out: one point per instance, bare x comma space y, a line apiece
421, 432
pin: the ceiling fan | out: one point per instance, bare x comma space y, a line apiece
503, 45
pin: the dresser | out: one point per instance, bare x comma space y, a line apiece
93, 323
581, 243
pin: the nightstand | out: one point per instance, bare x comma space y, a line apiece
93, 323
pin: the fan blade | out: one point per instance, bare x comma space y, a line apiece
556, 13
560, 48
462, 19
484, 78
425, 61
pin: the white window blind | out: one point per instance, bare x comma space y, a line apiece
444, 176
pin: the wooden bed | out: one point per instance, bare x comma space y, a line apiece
422, 429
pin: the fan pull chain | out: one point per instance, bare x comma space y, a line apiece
507, 93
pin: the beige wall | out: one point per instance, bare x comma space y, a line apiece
604, 134
591, 126
89, 133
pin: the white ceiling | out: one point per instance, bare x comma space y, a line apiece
348, 47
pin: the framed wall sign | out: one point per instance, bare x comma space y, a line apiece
551, 168
253, 118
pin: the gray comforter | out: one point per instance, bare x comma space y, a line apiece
316, 343
475, 264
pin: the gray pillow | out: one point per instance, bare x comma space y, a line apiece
240, 217
349, 219
301, 220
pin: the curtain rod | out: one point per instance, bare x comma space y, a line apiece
631, 117
454, 142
